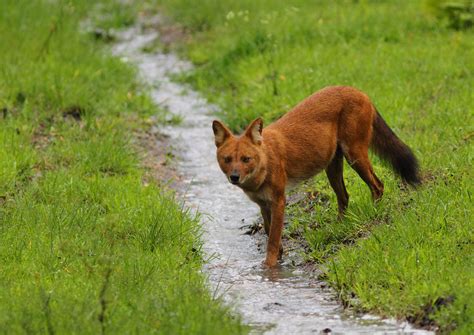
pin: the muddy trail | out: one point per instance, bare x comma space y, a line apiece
289, 300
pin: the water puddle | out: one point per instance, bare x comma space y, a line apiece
284, 301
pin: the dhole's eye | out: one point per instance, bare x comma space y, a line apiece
227, 159
245, 159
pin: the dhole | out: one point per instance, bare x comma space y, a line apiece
333, 123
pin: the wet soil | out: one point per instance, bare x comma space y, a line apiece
156, 156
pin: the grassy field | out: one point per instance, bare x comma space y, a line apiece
85, 245
411, 255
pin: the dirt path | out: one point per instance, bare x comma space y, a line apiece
285, 301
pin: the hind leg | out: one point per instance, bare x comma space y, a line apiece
358, 158
335, 176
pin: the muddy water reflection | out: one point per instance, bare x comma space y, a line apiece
283, 301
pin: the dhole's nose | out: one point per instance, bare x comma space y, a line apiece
234, 178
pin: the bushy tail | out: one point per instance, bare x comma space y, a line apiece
389, 147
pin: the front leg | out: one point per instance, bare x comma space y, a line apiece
276, 228
267, 217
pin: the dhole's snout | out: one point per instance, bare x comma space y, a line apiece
234, 178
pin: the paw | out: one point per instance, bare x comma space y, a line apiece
270, 262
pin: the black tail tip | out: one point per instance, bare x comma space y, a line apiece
408, 169
414, 181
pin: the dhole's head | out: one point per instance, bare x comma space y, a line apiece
241, 158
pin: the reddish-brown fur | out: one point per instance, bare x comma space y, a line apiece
314, 136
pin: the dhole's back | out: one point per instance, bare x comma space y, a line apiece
311, 131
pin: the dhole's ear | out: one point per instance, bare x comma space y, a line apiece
221, 132
254, 131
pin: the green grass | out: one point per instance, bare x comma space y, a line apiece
85, 245
260, 58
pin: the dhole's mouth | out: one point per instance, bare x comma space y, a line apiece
242, 180
234, 182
